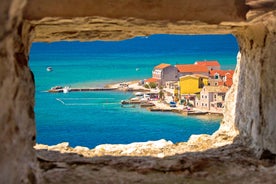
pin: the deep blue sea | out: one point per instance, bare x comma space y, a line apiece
93, 118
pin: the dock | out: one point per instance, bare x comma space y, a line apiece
193, 113
160, 110
60, 90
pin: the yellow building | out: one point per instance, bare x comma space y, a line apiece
191, 84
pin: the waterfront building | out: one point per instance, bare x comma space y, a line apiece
211, 98
191, 69
221, 78
163, 73
211, 64
191, 84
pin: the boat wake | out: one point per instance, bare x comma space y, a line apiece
86, 101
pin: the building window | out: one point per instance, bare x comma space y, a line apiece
202, 104
216, 83
205, 105
205, 96
202, 96
215, 96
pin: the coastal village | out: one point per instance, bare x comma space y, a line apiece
189, 89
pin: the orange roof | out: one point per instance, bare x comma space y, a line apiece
192, 68
197, 76
228, 83
229, 73
207, 63
162, 66
151, 80
202, 76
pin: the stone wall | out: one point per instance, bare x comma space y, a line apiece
17, 137
256, 103
250, 109
213, 11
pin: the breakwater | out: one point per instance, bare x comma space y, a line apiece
62, 90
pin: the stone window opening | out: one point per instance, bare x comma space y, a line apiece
256, 43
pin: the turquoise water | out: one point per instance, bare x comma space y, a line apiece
93, 118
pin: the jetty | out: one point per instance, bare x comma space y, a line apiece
61, 89
193, 113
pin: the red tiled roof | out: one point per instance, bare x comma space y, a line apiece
151, 80
207, 63
197, 76
162, 66
192, 68
228, 83
229, 73
221, 83
202, 76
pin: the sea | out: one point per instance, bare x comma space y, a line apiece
93, 118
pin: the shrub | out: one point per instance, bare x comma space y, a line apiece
152, 85
146, 86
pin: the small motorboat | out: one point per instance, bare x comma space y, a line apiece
139, 94
49, 69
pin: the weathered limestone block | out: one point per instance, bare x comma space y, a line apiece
17, 137
259, 7
56, 20
227, 125
213, 11
255, 100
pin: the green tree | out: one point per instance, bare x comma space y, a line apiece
152, 85
161, 94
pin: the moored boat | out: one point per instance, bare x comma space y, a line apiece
49, 69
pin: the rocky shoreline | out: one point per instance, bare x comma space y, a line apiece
160, 148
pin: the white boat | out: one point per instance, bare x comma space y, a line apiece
66, 89
139, 94
49, 69
144, 100
135, 99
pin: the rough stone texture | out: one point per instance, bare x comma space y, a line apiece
256, 88
160, 148
213, 11
259, 7
109, 19
226, 164
17, 137
227, 125
104, 28
250, 105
